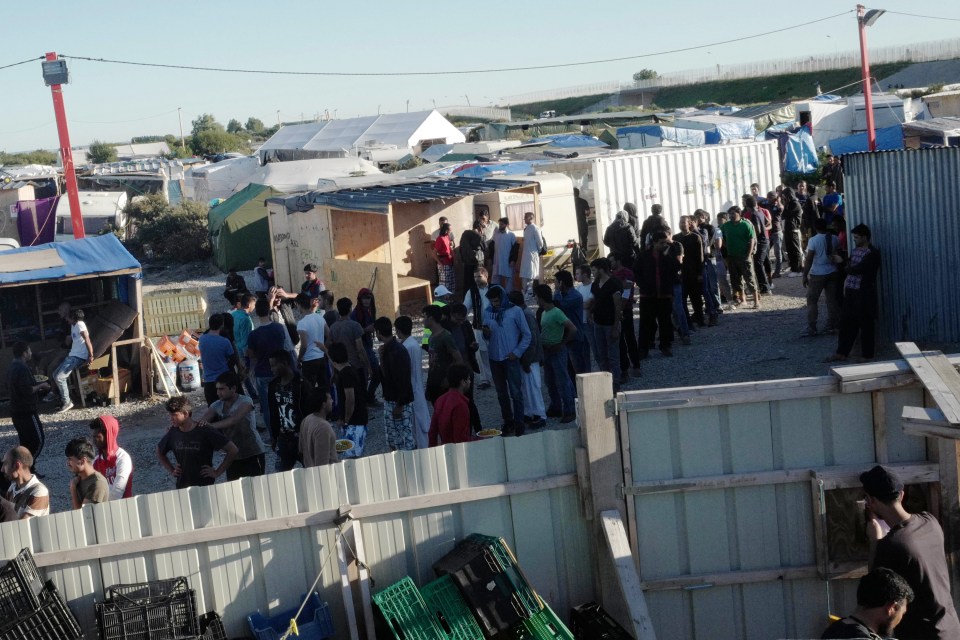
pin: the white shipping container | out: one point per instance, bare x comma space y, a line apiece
682, 180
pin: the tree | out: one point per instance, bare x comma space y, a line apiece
205, 122
234, 126
30, 157
101, 152
213, 141
645, 74
254, 124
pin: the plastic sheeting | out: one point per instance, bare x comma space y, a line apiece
567, 141
888, 139
98, 254
659, 136
800, 152
496, 169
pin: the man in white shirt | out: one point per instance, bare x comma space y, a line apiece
483, 379
421, 409
81, 352
820, 274
533, 243
584, 277
312, 354
29, 496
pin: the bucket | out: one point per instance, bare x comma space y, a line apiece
189, 371
168, 372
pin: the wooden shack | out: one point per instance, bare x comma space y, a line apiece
97, 275
376, 237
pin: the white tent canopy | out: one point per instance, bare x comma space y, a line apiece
340, 138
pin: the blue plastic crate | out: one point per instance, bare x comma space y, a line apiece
314, 622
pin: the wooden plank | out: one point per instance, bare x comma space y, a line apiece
930, 430
948, 456
938, 376
848, 477
712, 395
843, 571
623, 425
889, 368
876, 384
626, 575
317, 518
346, 589
364, 579
879, 409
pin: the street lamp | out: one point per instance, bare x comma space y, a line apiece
865, 19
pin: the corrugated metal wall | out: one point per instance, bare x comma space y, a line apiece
748, 528
269, 571
712, 177
911, 202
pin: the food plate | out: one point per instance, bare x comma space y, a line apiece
489, 433
344, 445
40, 378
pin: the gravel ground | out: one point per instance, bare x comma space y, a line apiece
746, 345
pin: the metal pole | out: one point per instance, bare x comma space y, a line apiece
69, 176
867, 83
183, 142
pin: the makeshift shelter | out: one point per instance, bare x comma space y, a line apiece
765, 116
717, 128
936, 132
888, 139
239, 231
342, 138
659, 136
377, 237
95, 274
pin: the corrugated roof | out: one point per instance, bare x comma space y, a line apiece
378, 198
934, 124
760, 110
148, 165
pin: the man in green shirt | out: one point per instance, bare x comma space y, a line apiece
741, 242
556, 331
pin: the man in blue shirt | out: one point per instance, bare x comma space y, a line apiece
569, 300
506, 331
217, 355
242, 326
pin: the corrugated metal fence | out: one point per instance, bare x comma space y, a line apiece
258, 543
911, 201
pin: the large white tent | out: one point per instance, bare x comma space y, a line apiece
342, 138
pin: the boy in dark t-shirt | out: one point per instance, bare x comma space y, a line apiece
289, 398
192, 447
350, 416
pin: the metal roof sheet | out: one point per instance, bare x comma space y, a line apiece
378, 198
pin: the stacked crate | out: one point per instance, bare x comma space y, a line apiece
31, 609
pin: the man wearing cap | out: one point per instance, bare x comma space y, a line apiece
913, 548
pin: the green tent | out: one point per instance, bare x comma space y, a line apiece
239, 232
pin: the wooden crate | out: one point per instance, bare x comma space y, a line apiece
170, 312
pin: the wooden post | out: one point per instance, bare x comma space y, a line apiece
346, 589
626, 575
597, 416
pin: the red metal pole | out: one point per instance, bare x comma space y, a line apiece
73, 195
867, 83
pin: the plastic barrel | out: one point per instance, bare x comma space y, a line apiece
189, 371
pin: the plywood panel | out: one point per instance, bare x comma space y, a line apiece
279, 222
309, 242
901, 447
413, 224
345, 278
851, 428
359, 235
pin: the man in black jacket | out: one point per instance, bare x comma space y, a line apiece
397, 388
859, 311
23, 401
289, 401
655, 269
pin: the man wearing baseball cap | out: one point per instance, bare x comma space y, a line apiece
913, 548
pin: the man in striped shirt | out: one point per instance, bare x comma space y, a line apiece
29, 496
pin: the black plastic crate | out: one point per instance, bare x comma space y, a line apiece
492, 584
20, 587
590, 621
158, 610
51, 620
211, 627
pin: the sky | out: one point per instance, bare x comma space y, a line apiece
113, 102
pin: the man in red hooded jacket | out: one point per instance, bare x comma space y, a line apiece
112, 462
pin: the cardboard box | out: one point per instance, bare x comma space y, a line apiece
104, 386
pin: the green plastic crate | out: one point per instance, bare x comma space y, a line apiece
508, 562
447, 606
406, 612
542, 626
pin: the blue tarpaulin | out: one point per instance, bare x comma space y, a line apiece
655, 135
523, 168
801, 154
87, 256
888, 139
568, 141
